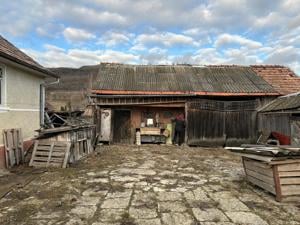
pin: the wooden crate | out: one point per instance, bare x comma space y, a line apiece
281, 178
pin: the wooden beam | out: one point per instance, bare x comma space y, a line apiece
277, 183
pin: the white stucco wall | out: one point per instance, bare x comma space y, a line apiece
21, 105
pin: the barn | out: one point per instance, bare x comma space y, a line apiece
219, 102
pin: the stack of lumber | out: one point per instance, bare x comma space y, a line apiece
267, 153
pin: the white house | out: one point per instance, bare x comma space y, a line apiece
22, 82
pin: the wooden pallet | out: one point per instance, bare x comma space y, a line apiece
50, 154
13, 144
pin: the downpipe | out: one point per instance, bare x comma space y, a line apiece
42, 100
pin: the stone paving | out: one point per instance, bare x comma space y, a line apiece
147, 185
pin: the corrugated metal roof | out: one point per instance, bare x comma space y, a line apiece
289, 102
179, 78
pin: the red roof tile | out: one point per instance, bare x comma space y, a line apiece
283, 79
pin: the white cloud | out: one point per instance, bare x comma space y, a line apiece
54, 56
270, 21
155, 31
226, 39
112, 38
77, 35
241, 57
284, 55
50, 30
155, 56
166, 39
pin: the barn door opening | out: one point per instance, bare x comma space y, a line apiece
122, 121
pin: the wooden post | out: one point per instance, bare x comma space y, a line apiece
186, 123
277, 183
243, 160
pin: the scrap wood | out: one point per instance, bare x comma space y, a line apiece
267, 150
261, 158
13, 144
284, 147
254, 150
50, 154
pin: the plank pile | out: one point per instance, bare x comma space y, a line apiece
50, 154
267, 153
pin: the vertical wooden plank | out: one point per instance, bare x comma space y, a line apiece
76, 151
21, 145
66, 159
50, 154
14, 135
186, 123
36, 143
244, 166
277, 183
6, 149
10, 142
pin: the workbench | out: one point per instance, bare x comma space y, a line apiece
152, 135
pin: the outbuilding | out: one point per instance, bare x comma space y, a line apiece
282, 116
219, 102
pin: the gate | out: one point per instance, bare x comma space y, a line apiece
220, 123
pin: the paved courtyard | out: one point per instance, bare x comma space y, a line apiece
146, 185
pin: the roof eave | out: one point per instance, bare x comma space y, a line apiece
42, 72
178, 93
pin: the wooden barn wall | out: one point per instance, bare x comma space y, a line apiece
274, 122
220, 123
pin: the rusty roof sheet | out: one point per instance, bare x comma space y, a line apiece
284, 80
9, 51
283, 103
179, 79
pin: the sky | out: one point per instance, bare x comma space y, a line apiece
73, 33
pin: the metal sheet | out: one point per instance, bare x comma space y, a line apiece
105, 131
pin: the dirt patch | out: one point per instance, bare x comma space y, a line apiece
127, 220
